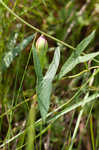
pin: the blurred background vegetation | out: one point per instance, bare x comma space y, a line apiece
70, 21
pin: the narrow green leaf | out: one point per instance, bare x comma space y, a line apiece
9, 56
44, 89
50, 74
12, 41
72, 60
44, 92
84, 43
87, 57
37, 65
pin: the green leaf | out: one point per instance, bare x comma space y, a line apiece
44, 89
12, 41
9, 56
73, 59
84, 43
50, 74
87, 57
37, 65
43, 93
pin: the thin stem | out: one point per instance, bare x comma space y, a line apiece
92, 134
34, 28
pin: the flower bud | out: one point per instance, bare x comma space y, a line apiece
41, 44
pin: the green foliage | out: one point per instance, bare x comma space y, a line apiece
55, 106
9, 56
74, 59
37, 65
44, 84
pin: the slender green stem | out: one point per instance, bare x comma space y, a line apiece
34, 28
80, 73
31, 128
92, 134
40, 144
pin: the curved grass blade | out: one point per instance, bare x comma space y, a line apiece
73, 59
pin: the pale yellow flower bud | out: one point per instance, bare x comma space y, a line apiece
41, 44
